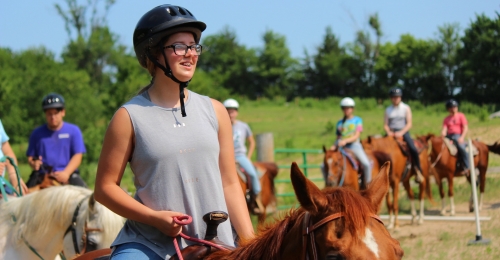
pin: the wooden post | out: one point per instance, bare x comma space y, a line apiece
265, 147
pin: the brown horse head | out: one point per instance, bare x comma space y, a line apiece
338, 170
335, 223
356, 235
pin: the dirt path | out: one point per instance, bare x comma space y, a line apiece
427, 241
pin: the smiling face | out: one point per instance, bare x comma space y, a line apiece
182, 67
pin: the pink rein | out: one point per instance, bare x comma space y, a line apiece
184, 220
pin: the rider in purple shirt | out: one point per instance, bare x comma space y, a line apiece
56, 147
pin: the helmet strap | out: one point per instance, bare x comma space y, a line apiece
168, 72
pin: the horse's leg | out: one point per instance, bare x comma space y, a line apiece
421, 196
441, 194
395, 193
450, 194
482, 182
389, 209
411, 196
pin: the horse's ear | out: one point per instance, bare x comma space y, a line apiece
324, 149
379, 187
309, 195
91, 202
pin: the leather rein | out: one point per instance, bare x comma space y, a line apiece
72, 229
308, 231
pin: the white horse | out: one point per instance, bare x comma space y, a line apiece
63, 219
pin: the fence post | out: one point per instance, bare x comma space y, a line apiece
479, 237
265, 147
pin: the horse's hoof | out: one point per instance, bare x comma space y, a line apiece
421, 221
471, 210
390, 226
443, 212
452, 213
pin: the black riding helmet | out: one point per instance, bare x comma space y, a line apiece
451, 103
52, 100
153, 29
395, 92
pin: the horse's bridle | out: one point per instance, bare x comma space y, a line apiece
308, 231
342, 168
86, 230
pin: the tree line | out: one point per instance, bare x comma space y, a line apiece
96, 74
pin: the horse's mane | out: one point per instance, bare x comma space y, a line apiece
269, 241
38, 213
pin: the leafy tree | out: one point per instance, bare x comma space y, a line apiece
413, 65
275, 66
230, 64
479, 61
449, 40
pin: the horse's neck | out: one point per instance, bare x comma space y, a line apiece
47, 247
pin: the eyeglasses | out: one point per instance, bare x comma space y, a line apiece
181, 49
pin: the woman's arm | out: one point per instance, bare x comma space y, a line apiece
7, 151
386, 125
235, 200
251, 146
116, 151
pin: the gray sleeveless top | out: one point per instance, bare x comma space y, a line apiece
176, 168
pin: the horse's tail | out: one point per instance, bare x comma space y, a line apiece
494, 148
272, 169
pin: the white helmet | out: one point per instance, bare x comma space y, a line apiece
347, 102
231, 103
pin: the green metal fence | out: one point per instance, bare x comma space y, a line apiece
304, 167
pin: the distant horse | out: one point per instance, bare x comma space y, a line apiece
336, 223
444, 165
391, 147
340, 170
269, 171
58, 220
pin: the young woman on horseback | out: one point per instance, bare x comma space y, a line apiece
455, 128
241, 134
349, 129
398, 122
182, 164
6, 150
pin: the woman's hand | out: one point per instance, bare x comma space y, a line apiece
164, 221
341, 143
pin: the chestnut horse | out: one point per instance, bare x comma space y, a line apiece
444, 164
336, 223
267, 193
341, 172
390, 146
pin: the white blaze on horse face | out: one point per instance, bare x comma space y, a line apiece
329, 161
370, 242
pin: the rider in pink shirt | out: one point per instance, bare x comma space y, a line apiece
455, 127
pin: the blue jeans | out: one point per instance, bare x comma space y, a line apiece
134, 251
359, 152
461, 149
250, 169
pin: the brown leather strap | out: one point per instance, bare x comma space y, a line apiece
308, 231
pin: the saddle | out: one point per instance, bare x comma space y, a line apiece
454, 150
406, 152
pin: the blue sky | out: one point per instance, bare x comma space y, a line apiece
25, 23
